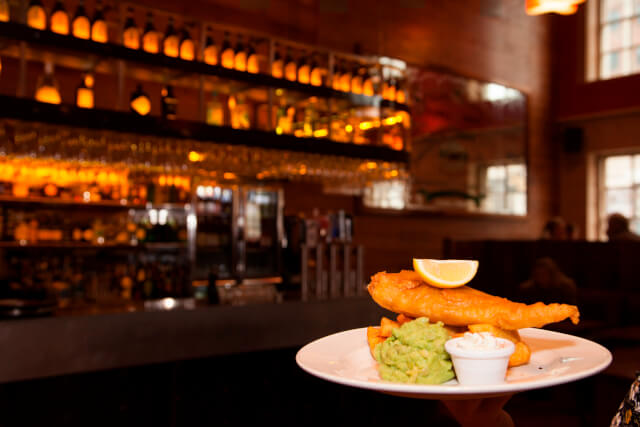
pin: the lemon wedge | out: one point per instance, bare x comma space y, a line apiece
446, 273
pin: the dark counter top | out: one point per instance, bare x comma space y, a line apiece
60, 345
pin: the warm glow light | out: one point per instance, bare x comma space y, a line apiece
303, 170
253, 65
131, 38
211, 54
48, 94
99, 31
36, 17
320, 133
348, 128
141, 103
229, 175
367, 87
187, 50
231, 102
356, 84
60, 22
151, 42
304, 73
277, 69
316, 76
228, 58
291, 71
4, 11
194, 156
562, 7
171, 46
81, 27
84, 97
372, 165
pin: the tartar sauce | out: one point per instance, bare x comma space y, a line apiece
482, 341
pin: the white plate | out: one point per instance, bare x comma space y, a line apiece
556, 358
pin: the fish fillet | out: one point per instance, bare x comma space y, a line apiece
408, 294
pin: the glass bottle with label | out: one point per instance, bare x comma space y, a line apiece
240, 59
187, 46
227, 56
150, 36
4, 11
99, 25
169, 103
210, 52
215, 111
36, 16
171, 42
131, 34
80, 26
253, 63
84, 92
290, 67
277, 67
59, 22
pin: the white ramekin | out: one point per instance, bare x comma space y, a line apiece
480, 367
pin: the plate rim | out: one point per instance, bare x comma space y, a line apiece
456, 390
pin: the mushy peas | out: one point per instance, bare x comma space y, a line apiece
414, 353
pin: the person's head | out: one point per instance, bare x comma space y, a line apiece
555, 229
617, 224
544, 272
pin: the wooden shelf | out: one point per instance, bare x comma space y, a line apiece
52, 201
157, 246
64, 114
64, 43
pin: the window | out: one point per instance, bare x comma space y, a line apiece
620, 189
390, 194
506, 189
617, 42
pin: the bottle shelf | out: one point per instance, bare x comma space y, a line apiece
52, 201
66, 43
64, 114
150, 246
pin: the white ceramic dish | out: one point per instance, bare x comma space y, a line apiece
556, 358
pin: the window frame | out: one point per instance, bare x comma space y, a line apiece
482, 180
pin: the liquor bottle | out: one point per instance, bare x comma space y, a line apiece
187, 46
277, 67
210, 52
239, 111
131, 34
367, 85
59, 21
389, 90
99, 25
253, 63
47, 90
150, 36
356, 80
4, 11
140, 102
215, 111
304, 71
401, 96
337, 75
345, 80
290, 67
36, 16
80, 26
317, 74
240, 59
171, 42
84, 92
227, 56
169, 103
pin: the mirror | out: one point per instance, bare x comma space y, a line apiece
468, 145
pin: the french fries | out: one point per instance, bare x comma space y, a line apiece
522, 353
521, 356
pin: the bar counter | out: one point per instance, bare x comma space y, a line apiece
68, 344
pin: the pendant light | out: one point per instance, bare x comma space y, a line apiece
561, 7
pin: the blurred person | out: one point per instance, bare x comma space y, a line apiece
618, 228
548, 284
572, 231
555, 229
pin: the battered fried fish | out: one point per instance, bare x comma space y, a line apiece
407, 293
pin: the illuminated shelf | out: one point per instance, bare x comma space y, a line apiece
61, 202
158, 246
65, 43
64, 114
